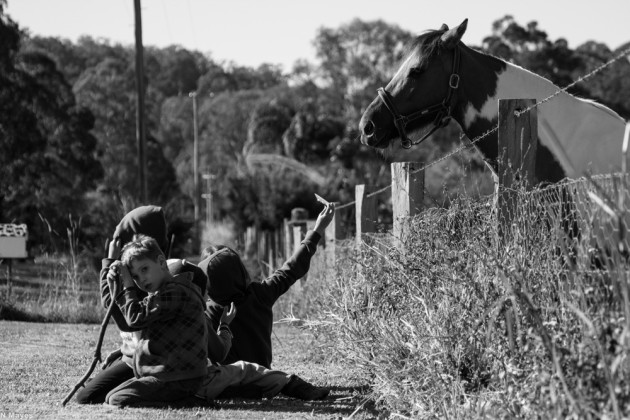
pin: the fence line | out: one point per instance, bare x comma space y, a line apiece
548, 205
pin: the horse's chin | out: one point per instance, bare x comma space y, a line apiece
391, 151
394, 152
374, 142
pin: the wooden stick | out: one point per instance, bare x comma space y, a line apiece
97, 350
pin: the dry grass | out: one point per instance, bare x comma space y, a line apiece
40, 363
452, 325
52, 288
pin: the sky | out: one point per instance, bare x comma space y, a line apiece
253, 32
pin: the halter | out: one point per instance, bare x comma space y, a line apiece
442, 110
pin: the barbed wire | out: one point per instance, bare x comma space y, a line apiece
575, 82
601, 67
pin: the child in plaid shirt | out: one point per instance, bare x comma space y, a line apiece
170, 360
147, 220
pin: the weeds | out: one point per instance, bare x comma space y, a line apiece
62, 287
454, 325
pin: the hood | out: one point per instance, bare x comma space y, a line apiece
227, 277
177, 266
147, 220
186, 279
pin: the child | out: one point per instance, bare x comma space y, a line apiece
170, 359
148, 220
230, 282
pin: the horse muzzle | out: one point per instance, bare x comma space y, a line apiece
370, 135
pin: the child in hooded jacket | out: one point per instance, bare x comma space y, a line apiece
170, 358
117, 368
229, 281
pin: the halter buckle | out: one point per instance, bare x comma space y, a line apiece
453, 81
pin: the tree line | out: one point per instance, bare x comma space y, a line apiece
268, 137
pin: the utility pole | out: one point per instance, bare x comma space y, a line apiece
193, 95
140, 132
208, 196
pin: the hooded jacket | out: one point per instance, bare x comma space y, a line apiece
228, 281
146, 220
150, 221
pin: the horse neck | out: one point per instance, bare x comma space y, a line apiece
563, 121
477, 92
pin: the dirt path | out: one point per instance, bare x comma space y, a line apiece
40, 363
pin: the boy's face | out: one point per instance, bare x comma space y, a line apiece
148, 274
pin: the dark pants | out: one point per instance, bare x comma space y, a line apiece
150, 391
107, 379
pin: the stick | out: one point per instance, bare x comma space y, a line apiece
97, 350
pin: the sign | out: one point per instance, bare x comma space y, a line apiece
13, 240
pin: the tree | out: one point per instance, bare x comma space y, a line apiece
47, 153
530, 47
232, 78
174, 71
359, 57
268, 122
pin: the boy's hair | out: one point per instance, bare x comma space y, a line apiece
141, 246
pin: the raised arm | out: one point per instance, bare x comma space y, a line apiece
299, 263
106, 283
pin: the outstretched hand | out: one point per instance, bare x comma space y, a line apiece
324, 218
229, 312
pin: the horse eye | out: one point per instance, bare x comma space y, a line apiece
415, 72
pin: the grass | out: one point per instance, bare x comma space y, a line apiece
40, 363
452, 323
455, 325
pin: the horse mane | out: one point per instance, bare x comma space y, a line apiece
426, 43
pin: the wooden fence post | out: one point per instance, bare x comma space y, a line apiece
250, 241
518, 137
365, 208
288, 239
407, 195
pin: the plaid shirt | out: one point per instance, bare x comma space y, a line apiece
172, 344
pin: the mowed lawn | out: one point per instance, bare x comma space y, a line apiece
40, 364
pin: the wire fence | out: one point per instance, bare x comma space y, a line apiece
559, 223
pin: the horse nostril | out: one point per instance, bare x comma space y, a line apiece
368, 129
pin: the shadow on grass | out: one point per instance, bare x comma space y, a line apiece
343, 400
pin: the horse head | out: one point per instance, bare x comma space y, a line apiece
421, 96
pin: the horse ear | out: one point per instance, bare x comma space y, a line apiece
451, 37
444, 27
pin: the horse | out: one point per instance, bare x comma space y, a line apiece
441, 79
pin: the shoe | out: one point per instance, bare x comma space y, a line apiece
299, 388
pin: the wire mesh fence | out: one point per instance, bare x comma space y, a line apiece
588, 214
